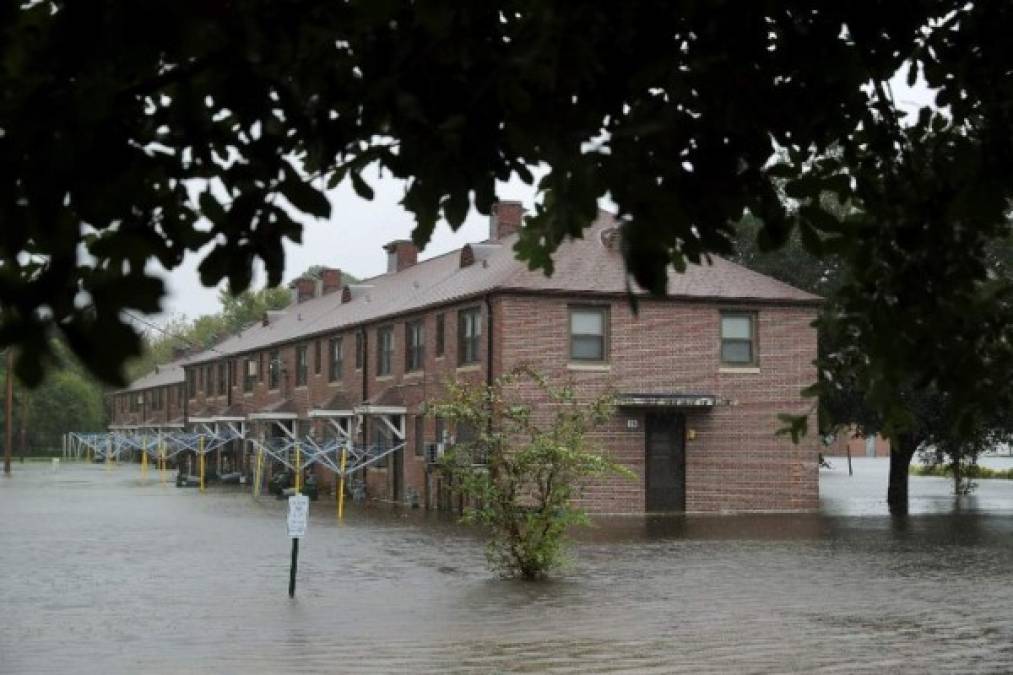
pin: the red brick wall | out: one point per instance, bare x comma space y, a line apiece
857, 445
172, 397
416, 387
735, 461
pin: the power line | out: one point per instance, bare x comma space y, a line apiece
163, 331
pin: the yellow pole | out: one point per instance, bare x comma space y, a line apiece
341, 484
258, 472
144, 458
200, 463
298, 469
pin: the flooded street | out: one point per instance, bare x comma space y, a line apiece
105, 574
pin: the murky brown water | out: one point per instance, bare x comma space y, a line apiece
104, 574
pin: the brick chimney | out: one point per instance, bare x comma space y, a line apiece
330, 280
303, 289
505, 219
401, 254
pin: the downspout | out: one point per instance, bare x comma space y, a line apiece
365, 387
488, 340
488, 371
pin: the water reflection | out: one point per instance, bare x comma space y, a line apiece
105, 573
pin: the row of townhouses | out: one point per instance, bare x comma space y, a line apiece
700, 376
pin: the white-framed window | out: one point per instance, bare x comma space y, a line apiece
738, 338
588, 333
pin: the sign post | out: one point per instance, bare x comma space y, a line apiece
298, 513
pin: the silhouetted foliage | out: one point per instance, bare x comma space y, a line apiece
121, 124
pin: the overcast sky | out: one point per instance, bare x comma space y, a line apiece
352, 238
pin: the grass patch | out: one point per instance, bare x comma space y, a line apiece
970, 471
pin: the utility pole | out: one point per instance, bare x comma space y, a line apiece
9, 412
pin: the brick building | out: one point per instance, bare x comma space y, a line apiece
153, 402
700, 375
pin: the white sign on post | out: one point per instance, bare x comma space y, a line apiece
298, 513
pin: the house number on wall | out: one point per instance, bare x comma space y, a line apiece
632, 423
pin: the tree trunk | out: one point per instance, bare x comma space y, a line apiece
902, 450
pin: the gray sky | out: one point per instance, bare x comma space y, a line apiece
352, 238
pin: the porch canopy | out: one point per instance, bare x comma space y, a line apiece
667, 401
284, 409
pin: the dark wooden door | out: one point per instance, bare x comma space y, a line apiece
665, 470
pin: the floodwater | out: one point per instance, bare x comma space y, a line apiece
102, 573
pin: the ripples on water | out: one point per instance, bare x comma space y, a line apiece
103, 573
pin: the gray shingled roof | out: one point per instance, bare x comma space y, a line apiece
166, 373
582, 265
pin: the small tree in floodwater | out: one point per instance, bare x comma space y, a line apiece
520, 468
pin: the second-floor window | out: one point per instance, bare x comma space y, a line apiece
738, 338
384, 349
221, 379
588, 333
191, 383
469, 333
300, 365
249, 375
273, 369
415, 342
209, 381
440, 334
334, 372
316, 357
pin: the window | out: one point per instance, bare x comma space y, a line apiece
440, 323
300, 366
156, 399
249, 375
334, 372
358, 351
415, 345
467, 436
588, 329
384, 349
260, 368
200, 381
469, 332
420, 436
382, 442
191, 383
221, 379
233, 367
738, 338
316, 357
441, 430
273, 369
209, 381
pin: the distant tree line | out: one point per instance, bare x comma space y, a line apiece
70, 398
